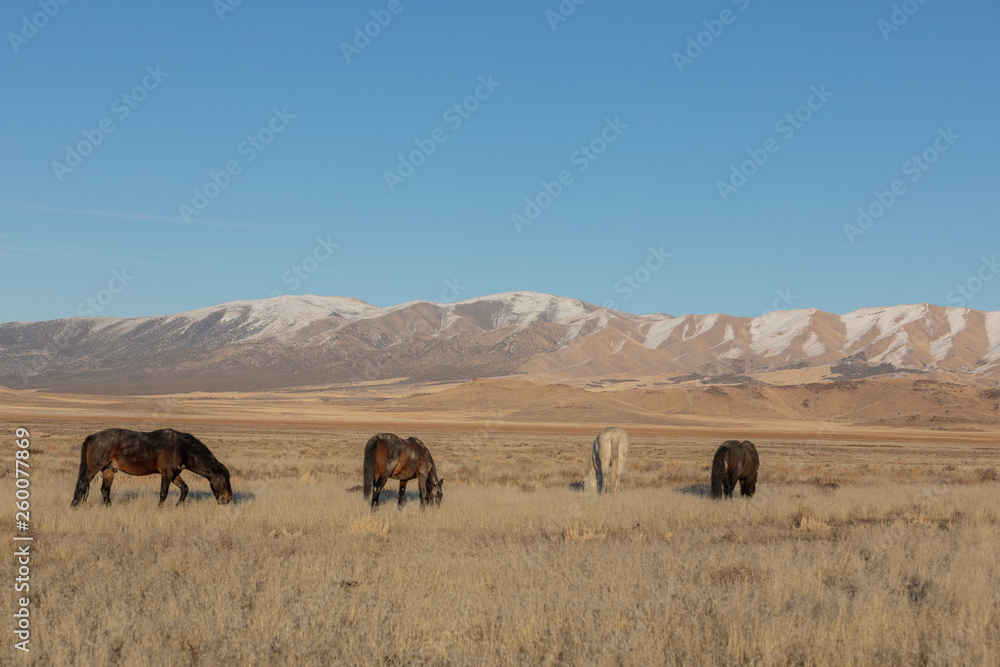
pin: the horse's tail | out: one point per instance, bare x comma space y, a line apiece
614, 479
83, 455
590, 475
718, 470
369, 468
82, 483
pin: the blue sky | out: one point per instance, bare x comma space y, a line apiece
645, 141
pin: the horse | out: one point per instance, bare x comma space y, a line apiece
389, 456
607, 460
734, 460
166, 451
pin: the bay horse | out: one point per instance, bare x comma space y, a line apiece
166, 452
387, 456
607, 460
734, 460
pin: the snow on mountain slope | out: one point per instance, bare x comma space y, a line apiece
773, 333
993, 336
283, 315
334, 339
957, 319
660, 331
884, 321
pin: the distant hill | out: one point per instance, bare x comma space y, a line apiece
299, 341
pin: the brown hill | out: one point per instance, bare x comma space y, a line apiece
296, 341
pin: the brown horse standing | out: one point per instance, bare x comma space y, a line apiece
389, 456
734, 460
166, 451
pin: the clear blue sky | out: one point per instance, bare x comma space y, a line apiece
62, 235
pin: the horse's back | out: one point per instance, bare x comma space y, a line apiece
741, 456
383, 452
384, 442
610, 440
145, 453
101, 445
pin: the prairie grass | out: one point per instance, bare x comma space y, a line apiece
866, 561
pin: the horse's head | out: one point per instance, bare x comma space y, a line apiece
435, 492
219, 482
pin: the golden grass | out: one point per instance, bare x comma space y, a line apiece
845, 556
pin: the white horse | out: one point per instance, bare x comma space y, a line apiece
607, 461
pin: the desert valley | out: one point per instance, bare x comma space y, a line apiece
872, 537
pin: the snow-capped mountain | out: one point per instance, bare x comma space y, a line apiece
293, 341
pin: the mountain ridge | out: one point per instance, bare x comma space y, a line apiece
292, 340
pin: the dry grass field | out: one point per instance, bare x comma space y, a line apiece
851, 553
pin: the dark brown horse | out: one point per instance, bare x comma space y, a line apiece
166, 451
734, 460
387, 456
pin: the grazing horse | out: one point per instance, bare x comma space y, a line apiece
166, 451
389, 456
607, 460
734, 460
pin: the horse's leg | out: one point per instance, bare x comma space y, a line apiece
379, 483
729, 482
182, 486
166, 477
422, 485
108, 476
402, 492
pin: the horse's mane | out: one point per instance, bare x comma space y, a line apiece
420, 443
199, 451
